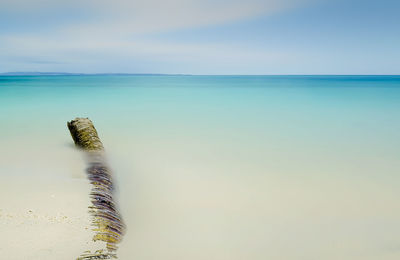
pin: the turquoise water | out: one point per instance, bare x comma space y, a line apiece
230, 167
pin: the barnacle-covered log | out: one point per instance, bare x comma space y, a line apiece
107, 221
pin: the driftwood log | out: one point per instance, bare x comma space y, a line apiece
84, 134
107, 221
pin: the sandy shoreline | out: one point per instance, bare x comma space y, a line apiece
44, 212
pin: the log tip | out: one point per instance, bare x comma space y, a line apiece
84, 134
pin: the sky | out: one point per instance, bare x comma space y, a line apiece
201, 36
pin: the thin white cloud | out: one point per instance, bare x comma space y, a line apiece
128, 16
118, 56
112, 29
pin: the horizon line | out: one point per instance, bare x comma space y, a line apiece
25, 73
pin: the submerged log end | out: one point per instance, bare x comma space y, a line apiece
84, 134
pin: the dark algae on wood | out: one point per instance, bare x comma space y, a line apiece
106, 220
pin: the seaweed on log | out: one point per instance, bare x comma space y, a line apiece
106, 219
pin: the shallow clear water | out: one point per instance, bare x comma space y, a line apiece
226, 167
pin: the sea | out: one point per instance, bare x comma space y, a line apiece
220, 167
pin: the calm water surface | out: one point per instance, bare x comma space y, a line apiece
227, 167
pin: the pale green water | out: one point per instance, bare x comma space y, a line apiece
228, 167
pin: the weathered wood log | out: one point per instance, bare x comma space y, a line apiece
84, 134
107, 221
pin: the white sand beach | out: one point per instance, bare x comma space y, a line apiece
44, 203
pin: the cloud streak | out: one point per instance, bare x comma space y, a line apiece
116, 30
142, 56
127, 16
